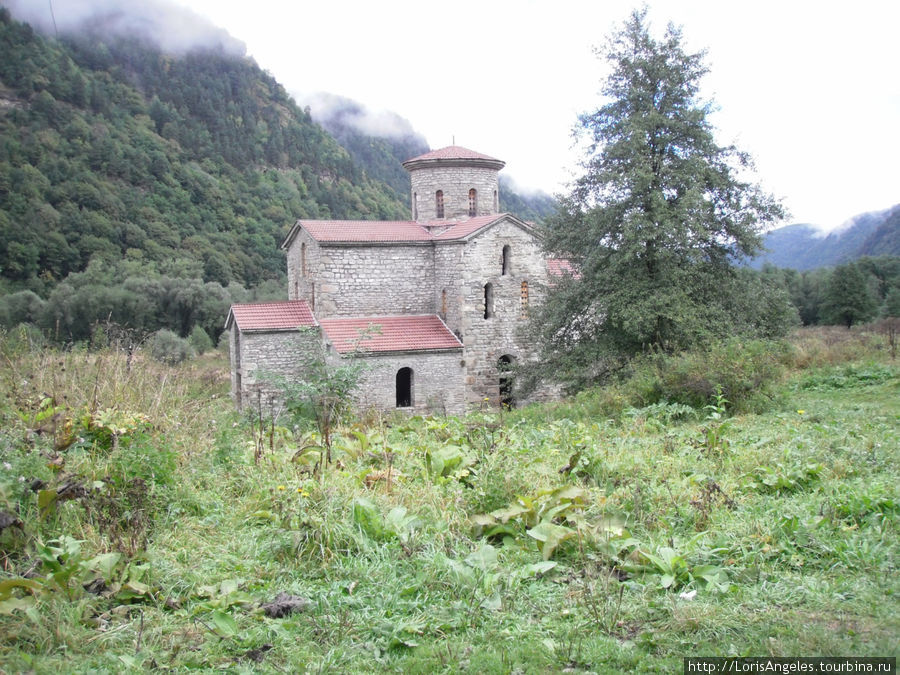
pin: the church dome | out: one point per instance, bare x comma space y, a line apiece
453, 183
453, 155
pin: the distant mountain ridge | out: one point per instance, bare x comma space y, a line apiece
803, 247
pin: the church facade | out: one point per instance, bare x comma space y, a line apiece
434, 306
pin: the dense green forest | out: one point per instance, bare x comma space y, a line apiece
848, 294
152, 169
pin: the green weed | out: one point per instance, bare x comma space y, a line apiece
568, 537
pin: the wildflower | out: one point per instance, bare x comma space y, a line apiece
487, 398
7, 466
800, 412
302, 492
281, 487
688, 595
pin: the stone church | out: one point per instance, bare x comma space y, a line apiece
433, 305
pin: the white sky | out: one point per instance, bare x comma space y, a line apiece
810, 88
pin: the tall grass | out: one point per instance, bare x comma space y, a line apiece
774, 535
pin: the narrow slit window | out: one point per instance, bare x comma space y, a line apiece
303, 259
488, 301
505, 260
439, 204
505, 369
473, 202
444, 304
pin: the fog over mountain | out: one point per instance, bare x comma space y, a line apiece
326, 107
804, 247
172, 28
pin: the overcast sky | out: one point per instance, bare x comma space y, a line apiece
810, 89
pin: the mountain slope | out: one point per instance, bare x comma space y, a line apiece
803, 247
190, 165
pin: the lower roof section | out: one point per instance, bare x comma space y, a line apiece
382, 334
271, 316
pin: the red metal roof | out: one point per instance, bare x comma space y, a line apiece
262, 316
452, 152
394, 230
389, 334
366, 230
463, 228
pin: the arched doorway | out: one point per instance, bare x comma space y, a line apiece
404, 388
505, 366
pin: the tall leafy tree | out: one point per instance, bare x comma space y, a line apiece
657, 218
848, 298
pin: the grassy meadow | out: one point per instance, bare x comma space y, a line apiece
146, 525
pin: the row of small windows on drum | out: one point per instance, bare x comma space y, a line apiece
439, 211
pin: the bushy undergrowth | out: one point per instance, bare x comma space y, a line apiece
167, 347
147, 525
747, 372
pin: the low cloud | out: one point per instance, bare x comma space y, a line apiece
173, 28
328, 108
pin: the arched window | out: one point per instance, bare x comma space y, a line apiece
473, 203
439, 204
524, 299
488, 301
504, 366
404, 388
303, 259
504, 260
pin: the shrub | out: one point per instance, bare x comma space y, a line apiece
745, 370
22, 338
167, 347
20, 307
200, 340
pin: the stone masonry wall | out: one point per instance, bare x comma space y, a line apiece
455, 182
486, 340
302, 282
448, 290
374, 280
282, 353
437, 382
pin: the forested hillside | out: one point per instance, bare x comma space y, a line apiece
152, 165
